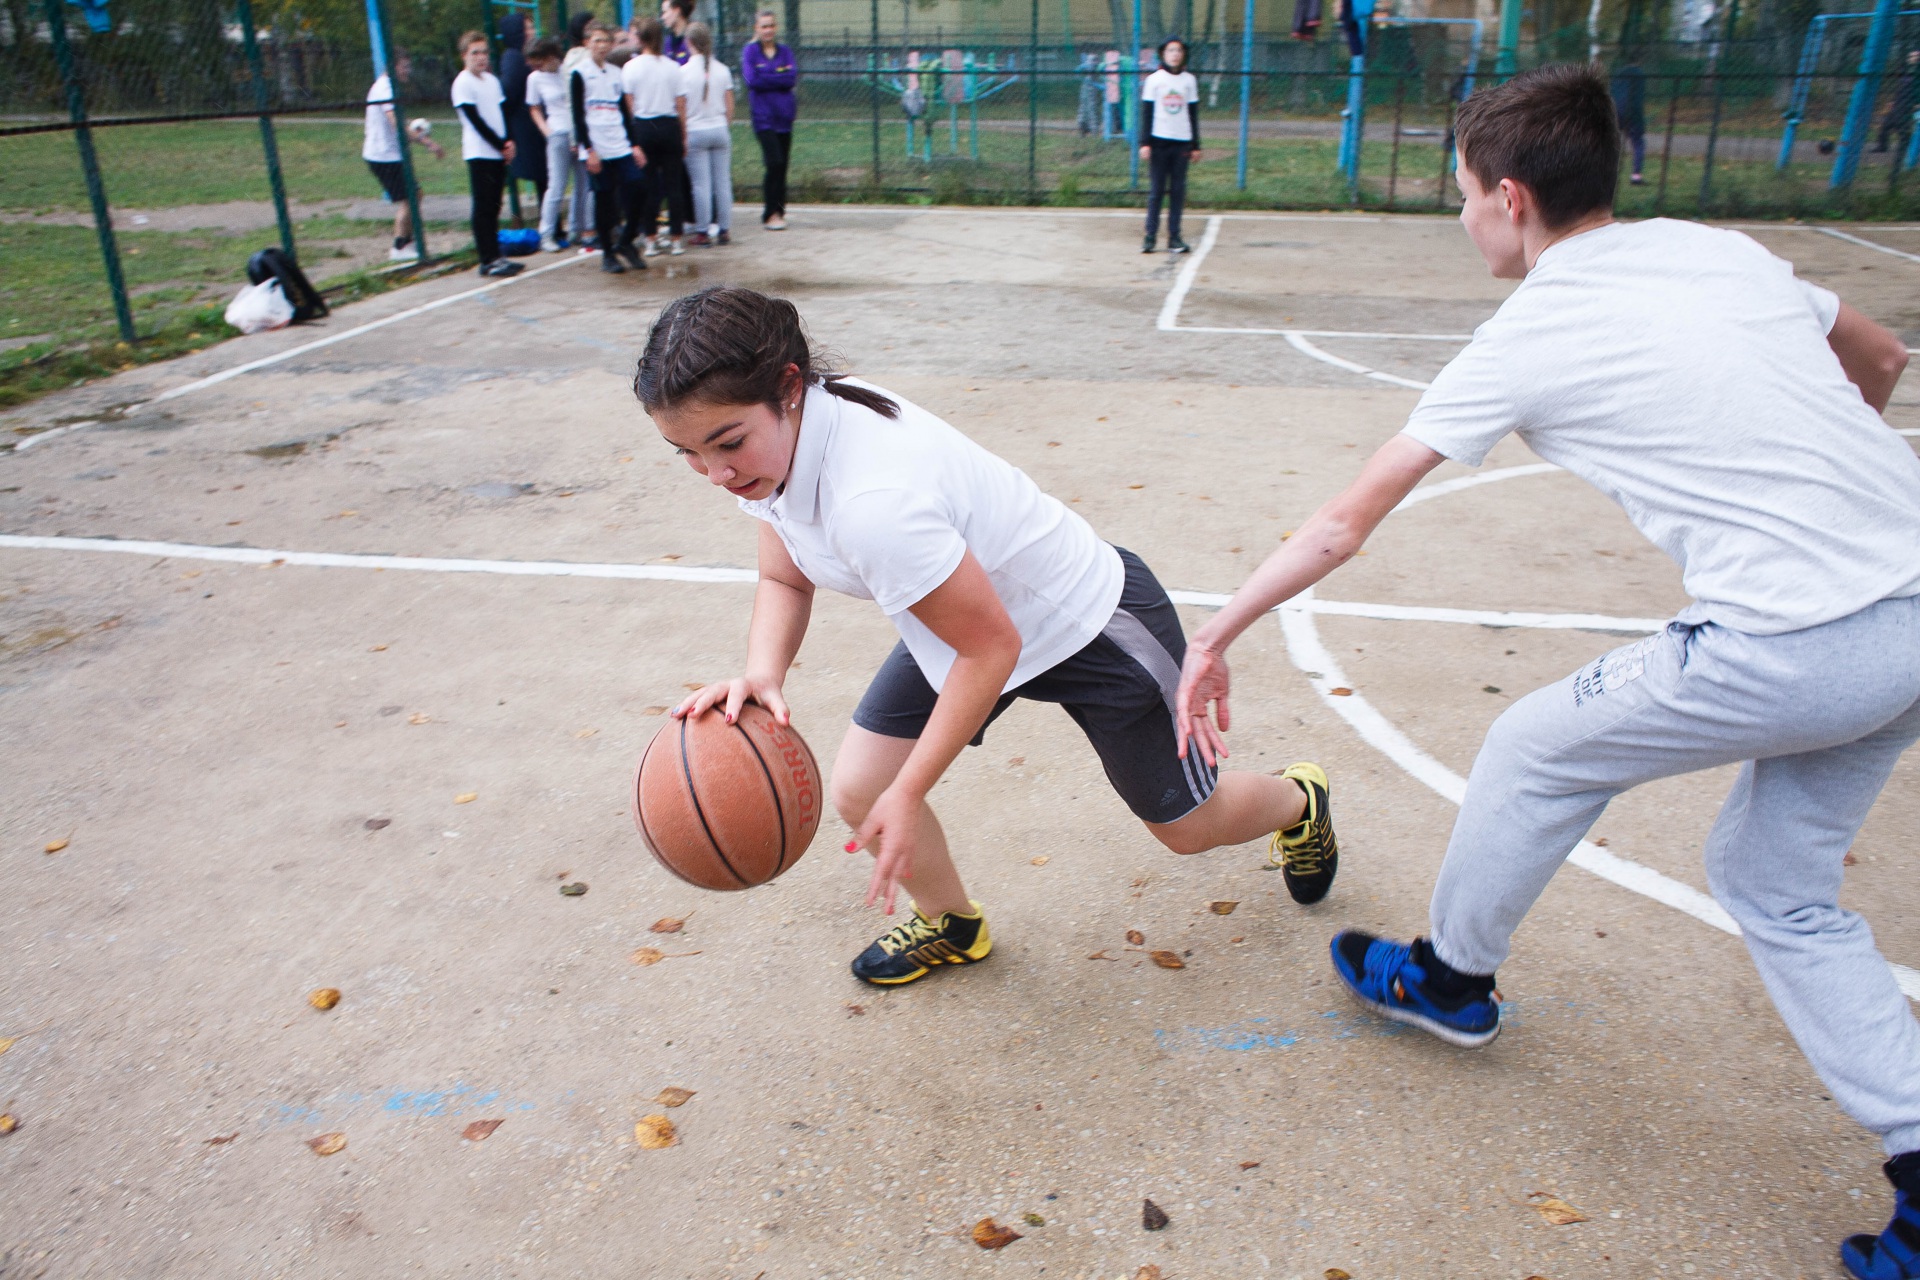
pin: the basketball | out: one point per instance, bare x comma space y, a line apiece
727, 806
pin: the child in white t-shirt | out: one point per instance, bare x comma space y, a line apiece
551, 108
706, 110
998, 591
380, 148
1169, 141
1733, 412
481, 102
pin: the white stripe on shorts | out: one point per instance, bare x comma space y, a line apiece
1138, 642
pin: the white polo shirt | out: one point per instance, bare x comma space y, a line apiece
381, 141
1684, 372
652, 82
885, 509
600, 100
484, 94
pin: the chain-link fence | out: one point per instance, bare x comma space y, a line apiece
148, 146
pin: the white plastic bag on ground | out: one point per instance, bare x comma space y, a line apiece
259, 307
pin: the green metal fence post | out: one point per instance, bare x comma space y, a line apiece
1033, 105
90, 165
382, 41
1246, 94
1507, 61
263, 100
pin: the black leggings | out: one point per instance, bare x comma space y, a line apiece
775, 150
486, 179
659, 139
1168, 167
616, 199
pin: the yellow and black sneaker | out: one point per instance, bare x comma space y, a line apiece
907, 951
1307, 852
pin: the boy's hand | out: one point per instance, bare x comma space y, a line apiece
506, 152
1203, 680
640, 157
731, 695
593, 162
1146, 153
889, 830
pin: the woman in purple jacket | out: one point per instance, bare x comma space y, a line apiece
770, 72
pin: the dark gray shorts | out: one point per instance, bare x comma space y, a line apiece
1119, 690
392, 178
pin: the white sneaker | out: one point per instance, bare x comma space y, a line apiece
653, 248
675, 248
407, 254
549, 245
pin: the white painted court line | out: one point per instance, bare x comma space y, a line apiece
1868, 244
1170, 309
1323, 672
280, 357
1299, 342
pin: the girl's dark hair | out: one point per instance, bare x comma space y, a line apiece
651, 34
1184, 51
548, 48
729, 345
578, 24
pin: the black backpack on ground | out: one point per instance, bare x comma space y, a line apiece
274, 264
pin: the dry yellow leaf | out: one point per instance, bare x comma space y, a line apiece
1040, 861
1222, 908
324, 998
1167, 959
1556, 1211
653, 711
647, 955
1341, 691
654, 1133
480, 1130
989, 1234
328, 1144
586, 733
55, 846
8, 1124
418, 717
1135, 937
673, 1096
379, 648
6, 1042
1335, 1273
667, 924
1147, 1272
466, 797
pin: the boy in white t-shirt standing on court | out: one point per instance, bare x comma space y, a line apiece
481, 102
1733, 412
1169, 141
380, 148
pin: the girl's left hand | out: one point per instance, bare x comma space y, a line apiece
1195, 157
1146, 153
889, 829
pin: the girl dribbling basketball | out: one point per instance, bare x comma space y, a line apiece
998, 591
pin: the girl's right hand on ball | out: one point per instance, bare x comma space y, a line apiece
731, 695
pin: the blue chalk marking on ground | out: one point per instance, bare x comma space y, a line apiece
1253, 1035
456, 1099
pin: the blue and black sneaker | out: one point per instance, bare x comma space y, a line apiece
1894, 1254
1410, 984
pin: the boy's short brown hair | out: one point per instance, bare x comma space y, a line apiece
468, 39
1551, 129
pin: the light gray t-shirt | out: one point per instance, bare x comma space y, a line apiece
1684, 372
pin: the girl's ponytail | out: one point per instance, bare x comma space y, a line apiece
731, 345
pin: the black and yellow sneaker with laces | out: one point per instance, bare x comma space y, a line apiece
1307, 852
911, 950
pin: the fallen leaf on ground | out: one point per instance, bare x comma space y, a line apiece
1040, 861
1599, 933
55, 846
1249, 1164
654, 1133
653, 711
1601, 841
466, 797
328, 1144
6, 1042
586, 733
377, 824
1102, 955
323, 998
1033, 1220
1241, 938
1166, 959
7, 1123
1153, 1217
1556, 1211
418, 717
1335, 1273
1849, 860
574, 890
667, 924
989, 1234
1136, 486
1017, 760
223, 1139
379, 648
1136, 937
479, 1130
1147, 1272
647, 955
1222, 908
673, 1096
856, 1010
693, 684
1341, 691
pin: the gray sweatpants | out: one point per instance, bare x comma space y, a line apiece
710, 164
559, 169
1816, 718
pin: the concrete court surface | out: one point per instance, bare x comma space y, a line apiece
212, 738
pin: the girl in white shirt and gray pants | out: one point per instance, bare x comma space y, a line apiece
706, 105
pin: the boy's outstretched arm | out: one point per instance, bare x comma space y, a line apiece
1873, 356
1326, 541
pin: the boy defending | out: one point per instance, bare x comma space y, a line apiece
1733, 412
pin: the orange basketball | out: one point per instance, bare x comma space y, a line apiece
727, 806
